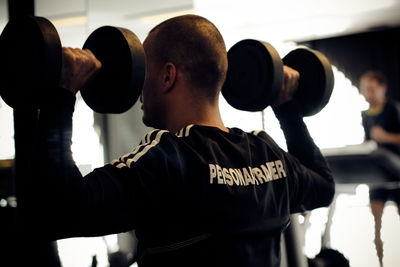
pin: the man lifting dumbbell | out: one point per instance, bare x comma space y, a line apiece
196, 192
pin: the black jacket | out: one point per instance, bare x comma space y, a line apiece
198, 197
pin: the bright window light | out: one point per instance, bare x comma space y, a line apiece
247, 121
7, 150
86, 146
80, 251
339, 123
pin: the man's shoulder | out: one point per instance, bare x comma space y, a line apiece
264, 136
149, 143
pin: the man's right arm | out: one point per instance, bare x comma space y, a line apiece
71, 205
312, 185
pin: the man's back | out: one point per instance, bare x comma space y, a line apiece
224, 195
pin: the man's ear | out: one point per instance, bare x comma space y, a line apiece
169, 76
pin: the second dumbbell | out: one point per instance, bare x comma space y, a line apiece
31, 66
255, 76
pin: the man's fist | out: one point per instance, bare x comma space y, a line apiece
289, 87
79, 66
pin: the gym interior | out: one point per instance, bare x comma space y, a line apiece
355, 36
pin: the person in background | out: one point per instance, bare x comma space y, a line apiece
381, 122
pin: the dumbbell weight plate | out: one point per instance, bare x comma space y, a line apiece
30, 56
255, 75
118, 85
316, 79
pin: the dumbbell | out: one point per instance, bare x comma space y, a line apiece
255, 76
31, 65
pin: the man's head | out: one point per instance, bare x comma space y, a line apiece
186, 51
373, 87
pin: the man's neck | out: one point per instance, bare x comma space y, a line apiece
205, 116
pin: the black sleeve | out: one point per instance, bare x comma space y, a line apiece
313, 185
72, 205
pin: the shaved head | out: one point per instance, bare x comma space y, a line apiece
195, 46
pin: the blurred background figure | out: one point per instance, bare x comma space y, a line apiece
381, 122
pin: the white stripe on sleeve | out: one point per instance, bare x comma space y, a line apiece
147, 148
188, 129
121, 161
